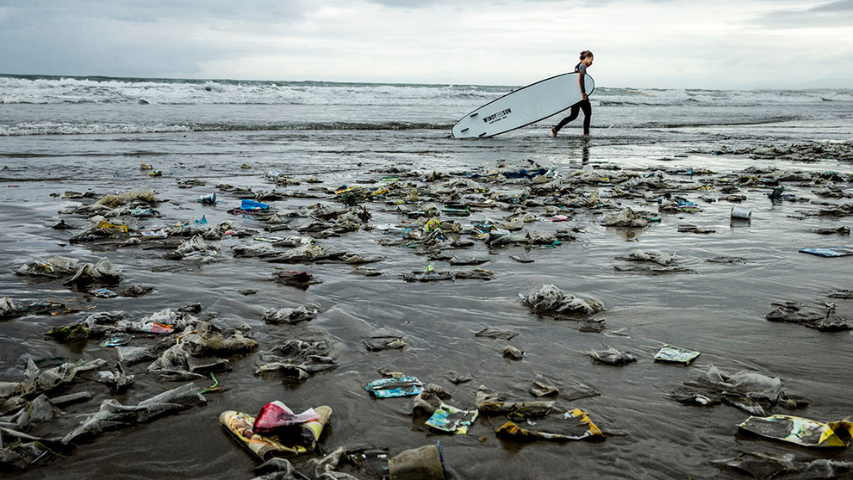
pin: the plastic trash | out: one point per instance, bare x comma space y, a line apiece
448, 418
113, 415
497, 333
490, 403
267, 447
9, 309
104, 293
588, 429
828, 252
207, 199
741, 213
109, 226
801, 431
513, 353
289, 316
115, 341
424, 463
395, 387
384, 342
671, 354
549, 299
542, 387
612, 356
456, 210
253, 205
276, 415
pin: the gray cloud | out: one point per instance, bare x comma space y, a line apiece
833, 14
839, 6
131, 38
159, 10
406, 3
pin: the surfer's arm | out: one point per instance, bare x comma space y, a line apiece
581, 80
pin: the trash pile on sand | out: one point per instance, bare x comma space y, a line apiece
441, 216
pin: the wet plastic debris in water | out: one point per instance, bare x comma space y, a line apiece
670, 354
448, 418
612, 356
301, 439
549, 299
543, 387
513, 353
395, 387
276, 415
829, 252
589, 431
424, 463
801, 431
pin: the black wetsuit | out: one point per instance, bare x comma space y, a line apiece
582, 105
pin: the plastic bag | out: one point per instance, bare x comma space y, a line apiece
276, 415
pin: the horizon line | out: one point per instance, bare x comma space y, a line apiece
350, 82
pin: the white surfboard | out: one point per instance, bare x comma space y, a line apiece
524, 106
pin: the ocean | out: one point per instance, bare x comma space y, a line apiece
94, 134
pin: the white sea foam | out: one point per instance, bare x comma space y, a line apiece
53, 128
55, 90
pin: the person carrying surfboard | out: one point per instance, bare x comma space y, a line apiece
580, 68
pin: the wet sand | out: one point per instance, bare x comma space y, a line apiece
715, 308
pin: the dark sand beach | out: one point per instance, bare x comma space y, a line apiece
684, 273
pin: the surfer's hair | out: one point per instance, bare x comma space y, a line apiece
586, 53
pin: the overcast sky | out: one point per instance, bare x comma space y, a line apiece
637, 43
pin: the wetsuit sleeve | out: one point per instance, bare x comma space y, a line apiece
582, 77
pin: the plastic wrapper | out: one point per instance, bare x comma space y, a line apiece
267, 447
549, 299
587, 430
671, 354
276, 415
448, 418
395, 387
801, 431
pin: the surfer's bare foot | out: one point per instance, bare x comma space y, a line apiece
554, 132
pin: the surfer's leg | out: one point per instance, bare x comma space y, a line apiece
587, 115
573, 115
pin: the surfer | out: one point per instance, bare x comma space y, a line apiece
586, 61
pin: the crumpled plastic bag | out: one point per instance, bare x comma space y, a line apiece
298, 358
491, 403
9, 309
120, 199
40, 409
196, 246
210, 341
429, 399
498, 237
549, 299
54, 267
276, 415
37, 380
626, 218
751, 384
102, 272
305, 252
612, 356
289, 315
113, 415
766, 466
648, 256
